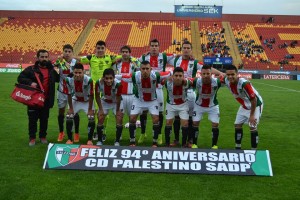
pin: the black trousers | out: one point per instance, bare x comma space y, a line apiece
35, 114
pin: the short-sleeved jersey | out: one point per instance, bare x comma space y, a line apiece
97, 64
125, 68
158, 63
177, 95
64, 71
80, 90
243, 92
145, 88
108, 93
190, 67
206, 94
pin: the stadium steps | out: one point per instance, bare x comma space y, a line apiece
196, 40
232, 44
84, 35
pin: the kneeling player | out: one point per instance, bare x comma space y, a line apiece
81, 86
110, 90
206, 102
177, 104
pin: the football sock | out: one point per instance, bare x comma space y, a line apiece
60, 120
168, 130
76, 123
176, 127
254, 139
215, 136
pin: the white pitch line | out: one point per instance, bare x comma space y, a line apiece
278, 87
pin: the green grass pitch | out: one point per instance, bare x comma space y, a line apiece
22, 176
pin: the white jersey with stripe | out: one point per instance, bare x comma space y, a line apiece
63, 73
125, 68
190, 67
80, 90
177, 95
145, 88
157, 63
108, 93
206, 94
243, 92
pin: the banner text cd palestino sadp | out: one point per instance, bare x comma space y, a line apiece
166, 160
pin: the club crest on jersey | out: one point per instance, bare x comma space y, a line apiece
160, 61
191, 65
65, 155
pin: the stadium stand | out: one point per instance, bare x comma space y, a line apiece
25, 32
23, 36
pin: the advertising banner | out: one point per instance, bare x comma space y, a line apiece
201, 11
163, 160
245, 75
215, 60
276, 77
10, 70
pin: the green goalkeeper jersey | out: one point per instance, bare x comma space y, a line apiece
97, 64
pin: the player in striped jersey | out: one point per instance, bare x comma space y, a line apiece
251, 106
80, 97
158, 62
126, 66
110, 90
145, 82
190, 67
206, 102
177, 105
65, 63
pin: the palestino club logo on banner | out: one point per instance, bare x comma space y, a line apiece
65, 155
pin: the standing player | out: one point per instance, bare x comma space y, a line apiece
126, 66
66, 65
177, 87
110, 91
251, 106
98, 63
145, 82
206, 102
158, 62
190, 67
80, 97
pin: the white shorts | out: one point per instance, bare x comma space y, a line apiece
213, 113
110, 106
62, 99
242, 116
79, 105
175, 110
191, 98
160, 99
127, 103
139, 106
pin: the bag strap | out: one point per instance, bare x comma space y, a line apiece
39, 81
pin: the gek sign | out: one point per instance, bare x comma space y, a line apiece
167, 160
